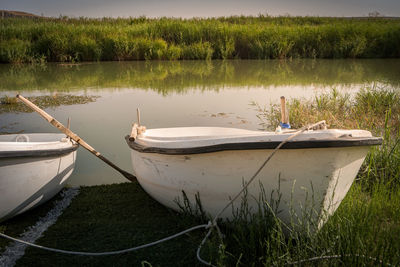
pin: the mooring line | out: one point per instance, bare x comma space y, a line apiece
83, 253
210, 226
214, 221
328, 257
16, 250
36, 231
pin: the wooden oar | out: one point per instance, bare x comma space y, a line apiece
74, 137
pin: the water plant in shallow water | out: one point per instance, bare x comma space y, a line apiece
11, 104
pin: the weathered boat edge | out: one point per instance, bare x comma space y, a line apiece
39, 153
343, 142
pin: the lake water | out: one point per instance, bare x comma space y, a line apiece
172, 94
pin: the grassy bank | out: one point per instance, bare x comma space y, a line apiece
263, 37
364, 230
107, 218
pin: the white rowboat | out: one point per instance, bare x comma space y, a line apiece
315, 169
33, 168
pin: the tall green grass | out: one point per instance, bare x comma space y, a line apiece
374, 109
263, 37
364, 230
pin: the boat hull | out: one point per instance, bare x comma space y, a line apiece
30, 177
306, 182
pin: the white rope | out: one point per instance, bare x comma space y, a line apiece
301, 130
200, 246
108, 252
209, 226
214, 221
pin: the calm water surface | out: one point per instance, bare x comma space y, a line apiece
172, 94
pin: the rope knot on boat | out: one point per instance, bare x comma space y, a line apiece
136, 130
322, 125
211, 224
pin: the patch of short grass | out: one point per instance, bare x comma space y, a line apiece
114, 217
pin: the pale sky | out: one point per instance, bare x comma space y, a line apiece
203, 8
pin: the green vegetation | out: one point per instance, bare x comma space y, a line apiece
373, 109
262, 37
364, 229
11, 104
363, 232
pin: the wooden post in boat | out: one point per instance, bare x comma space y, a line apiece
74, 137
138, 116
283, 110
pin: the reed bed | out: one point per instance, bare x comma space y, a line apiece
263, 37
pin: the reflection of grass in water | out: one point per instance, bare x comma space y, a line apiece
180, 76
11, 104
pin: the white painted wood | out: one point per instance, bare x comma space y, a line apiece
26, 182
309, 180
185, 137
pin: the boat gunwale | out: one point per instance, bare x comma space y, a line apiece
40, 152
303, 144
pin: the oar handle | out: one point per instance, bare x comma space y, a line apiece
73, 136
58, 125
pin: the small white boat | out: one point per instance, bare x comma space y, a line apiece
33, 168
315, 169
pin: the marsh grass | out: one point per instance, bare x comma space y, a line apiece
364, 230
374, 109
83, 39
